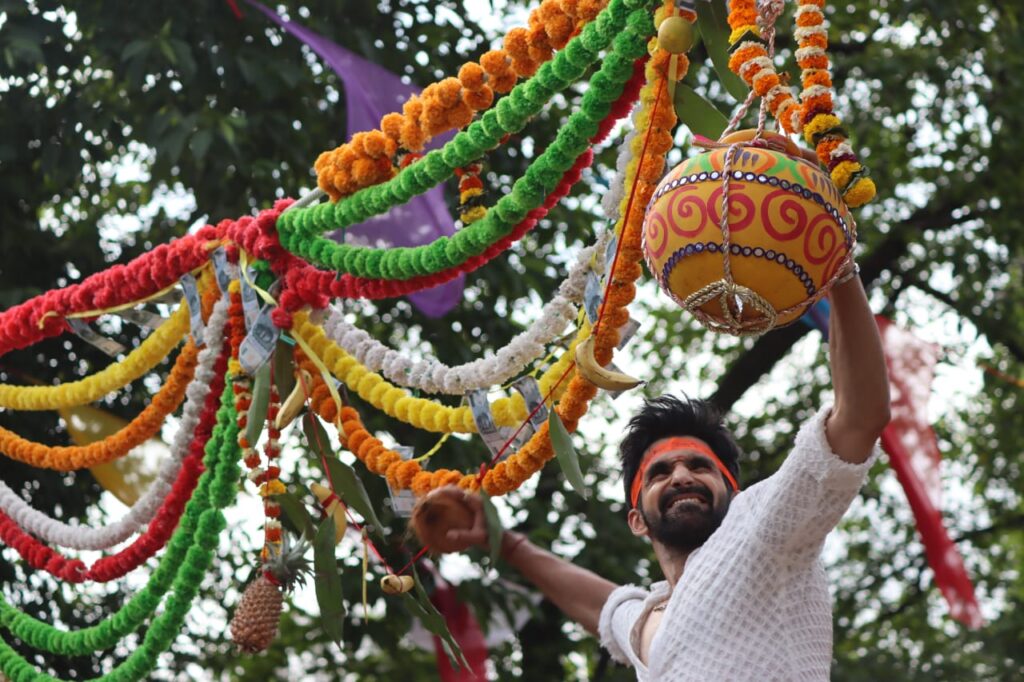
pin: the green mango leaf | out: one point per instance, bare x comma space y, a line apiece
296, 514
568, 460
133, 49
329, 595
494, 529
258, 407
200, 143
714, 29
284, 369
316, 436
350, 487
418, 602
698, 114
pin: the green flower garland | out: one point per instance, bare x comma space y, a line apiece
188, 557
628, 31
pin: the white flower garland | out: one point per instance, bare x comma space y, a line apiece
432, 376
74, 536
612, 200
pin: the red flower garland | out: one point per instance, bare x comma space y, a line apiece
43, 316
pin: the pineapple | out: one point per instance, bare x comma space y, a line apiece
254, 625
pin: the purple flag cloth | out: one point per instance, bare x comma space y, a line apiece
370, 92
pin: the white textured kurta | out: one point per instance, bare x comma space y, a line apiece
752, 603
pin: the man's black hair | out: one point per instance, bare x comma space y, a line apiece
668, 416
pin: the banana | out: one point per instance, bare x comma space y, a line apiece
396, 584
334, 508
602, 377
293, 404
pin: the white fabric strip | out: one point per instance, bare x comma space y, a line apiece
74, 536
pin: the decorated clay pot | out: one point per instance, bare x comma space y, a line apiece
789, 233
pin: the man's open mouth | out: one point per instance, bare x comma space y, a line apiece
691, 500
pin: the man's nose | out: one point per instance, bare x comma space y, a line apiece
681, 475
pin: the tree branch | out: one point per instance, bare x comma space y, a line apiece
990, 328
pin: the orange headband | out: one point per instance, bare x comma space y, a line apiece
677, 443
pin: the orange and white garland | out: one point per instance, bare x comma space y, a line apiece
813, 114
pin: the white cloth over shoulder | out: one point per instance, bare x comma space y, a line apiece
753, 602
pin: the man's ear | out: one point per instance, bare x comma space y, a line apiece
636, 523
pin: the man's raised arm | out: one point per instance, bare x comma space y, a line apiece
579, 593
859, 377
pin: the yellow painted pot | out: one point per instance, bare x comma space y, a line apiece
789, 229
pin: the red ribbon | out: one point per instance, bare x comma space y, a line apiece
914, 456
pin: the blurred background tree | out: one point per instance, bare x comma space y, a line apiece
122, 126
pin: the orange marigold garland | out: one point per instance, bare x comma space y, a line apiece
136, 432
751, 62
450, 104
821, 126
813, 114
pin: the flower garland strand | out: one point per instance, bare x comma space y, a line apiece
241, 386
114, 566
139, 430
822, 128
471, 194
189, 555
751, 62
42, 316
432, 376
138, 362
367, 159
300, 229
814, 115
171, 470
396, 402
305, 285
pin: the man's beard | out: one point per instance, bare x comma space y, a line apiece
687, 526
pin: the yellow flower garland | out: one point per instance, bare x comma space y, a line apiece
142, 359
397, 403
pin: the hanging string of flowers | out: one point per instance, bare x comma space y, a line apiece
367, 159
138, 362
116, 445
813, 114
172, 473
300, 229
432, 376
306, 285
822, 128
396, 402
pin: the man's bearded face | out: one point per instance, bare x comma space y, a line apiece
683, 508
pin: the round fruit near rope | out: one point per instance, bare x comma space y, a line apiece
789, 234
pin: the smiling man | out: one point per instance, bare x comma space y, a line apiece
745, 595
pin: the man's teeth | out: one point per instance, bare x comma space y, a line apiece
687, 498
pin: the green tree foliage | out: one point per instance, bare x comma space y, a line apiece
121, 126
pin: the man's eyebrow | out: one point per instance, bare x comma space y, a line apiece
701, 460
656, 468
